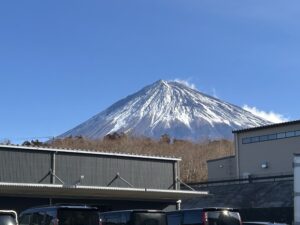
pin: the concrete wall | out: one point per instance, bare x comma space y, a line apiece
276, 154
223, 168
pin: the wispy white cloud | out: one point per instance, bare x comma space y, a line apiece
270, 116
186, 82
214, 93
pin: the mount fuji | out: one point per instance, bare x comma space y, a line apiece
169, 107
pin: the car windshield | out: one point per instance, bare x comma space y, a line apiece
7, 219
223, 218
78, 217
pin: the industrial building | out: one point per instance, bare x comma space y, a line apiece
260, 151
31, 176
296, 193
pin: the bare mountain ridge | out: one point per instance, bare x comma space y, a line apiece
169, 107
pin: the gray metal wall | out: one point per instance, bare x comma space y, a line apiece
101, 170
23, 166
224, 168
33, 166
278, 154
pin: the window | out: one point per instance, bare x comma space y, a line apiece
174, 219
224, 218
272, 136
49, 216
25, 219
255, 139
37, 218
281, 135
7, 219
264, 138
145, 218
78, 217
120, 218
192, 217
246, 140
290, 134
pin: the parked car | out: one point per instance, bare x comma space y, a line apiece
8, 217
261, 223
60, 215
133, 217
204, 216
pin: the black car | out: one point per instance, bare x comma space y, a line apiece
204, 216
133, 217
8, 217
60, 215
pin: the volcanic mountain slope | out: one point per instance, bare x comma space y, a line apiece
169, 107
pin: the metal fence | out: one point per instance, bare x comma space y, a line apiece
249, 179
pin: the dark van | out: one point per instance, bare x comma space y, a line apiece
8, 217
204, 216
133, 217
60, 215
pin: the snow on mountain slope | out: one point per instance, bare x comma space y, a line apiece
169, 107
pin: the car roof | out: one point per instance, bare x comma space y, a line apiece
134, 210
58, 206
205, 209
261, 222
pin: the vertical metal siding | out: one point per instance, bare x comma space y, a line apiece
24, 166
31, 166
101, 170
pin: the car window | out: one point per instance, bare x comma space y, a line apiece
174, 219
37, 218
145, 218
78, 217
50, 216
7, 219
25, 219
223, 218
192, 217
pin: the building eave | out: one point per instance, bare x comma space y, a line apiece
218, 159
90, 152
266, 126
79, 191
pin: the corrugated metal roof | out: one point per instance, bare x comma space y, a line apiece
267, 126
113, 193
80, 151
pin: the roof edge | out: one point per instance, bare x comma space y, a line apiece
226, 157
266, 126
90, 152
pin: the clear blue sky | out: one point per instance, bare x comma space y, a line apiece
62, 62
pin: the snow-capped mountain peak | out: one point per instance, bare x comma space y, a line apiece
169, 107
